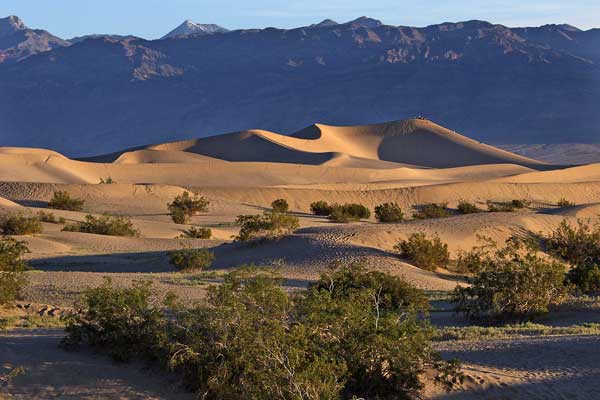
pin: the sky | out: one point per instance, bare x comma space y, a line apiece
152, 19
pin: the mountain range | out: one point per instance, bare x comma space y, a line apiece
100, 93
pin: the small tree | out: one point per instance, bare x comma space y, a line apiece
62, 200
269, 225
321, 208
464, 207
185, 206
104, 225
12, 269
427, 254
280, 206
19, 224
432, 210
389, 212
191, 259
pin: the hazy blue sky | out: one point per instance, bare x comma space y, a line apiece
153, 18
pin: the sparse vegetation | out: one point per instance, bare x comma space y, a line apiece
107, 181
527, 329
104, 225
197, 233
474, 260
500, 207
348, 212
185, 206
464, 207
280, 206
50, 218
520, 203
12, 269
427, 254
352, 335
268, 225
513, 283
432, 210
389, 212
564, 203
191, 259
19, 224
63, 201
321, 208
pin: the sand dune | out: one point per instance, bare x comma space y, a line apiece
585, 173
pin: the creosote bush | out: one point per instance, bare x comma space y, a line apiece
12, 269
464, 207
62, 200
50, 218
432, 210
104, 225
509, 206
427, 254
348, 212
321, 208
107, 181
19, 224
351, 335
191, 259
474, 260
268, 225
197, 233
512, 283
185, 206
280, 206
564, 203
389, 212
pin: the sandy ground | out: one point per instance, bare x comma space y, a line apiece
408, 162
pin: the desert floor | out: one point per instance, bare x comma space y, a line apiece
410, 162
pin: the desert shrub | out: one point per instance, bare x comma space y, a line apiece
504, 206
107, 181
476, 259
389, 212
579, 245
50, 218
268, 225
63, 201
185, 206
104, 225
432, 210
514, 283
19, 224
321, 208
427, 254
520, 203
564, 203
280, 206
120, 321
464, 207
197, 233
348, 212
191, 259
253, 339
586, 277
12, 269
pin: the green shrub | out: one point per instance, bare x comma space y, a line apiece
500, 206
321, 208
104, 225
197, 233
12, 269
514, 283
389, 212
280, 206
464, 207
348, 212
427, 254
268, 225
19, 224
50, 218
253, 339
474, 260
564, 203
578, 245
107, 181
185, 206
586, 277
432, 210
191, 259
63, 201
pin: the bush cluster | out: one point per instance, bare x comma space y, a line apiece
432, 210
185, 206
191, 259
427, 254
197, 233
564, 203
280, 206
389, 212
62, 200
321, 208
12, 269
268, 225
351, 335
19, 224
104, 225
348, 212
464, 207
50, 218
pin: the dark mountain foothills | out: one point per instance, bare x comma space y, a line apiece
491, 82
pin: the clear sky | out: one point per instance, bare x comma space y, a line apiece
153, 18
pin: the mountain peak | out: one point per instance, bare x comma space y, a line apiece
189, 27
325, 23
11, 24
366, 22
